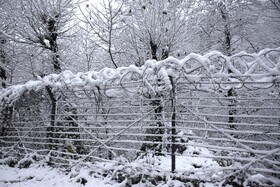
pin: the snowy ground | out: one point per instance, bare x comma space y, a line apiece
45, 176
38, 176
147, 171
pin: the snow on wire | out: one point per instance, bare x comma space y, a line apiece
209, 72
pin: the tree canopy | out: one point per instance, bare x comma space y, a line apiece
42, 37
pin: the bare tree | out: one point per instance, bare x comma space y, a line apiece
246, 21
154, 29
42, 24
105, 25
231, 26
40, 28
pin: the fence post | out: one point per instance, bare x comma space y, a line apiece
173, 124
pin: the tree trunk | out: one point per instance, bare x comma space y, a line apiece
52, 37
6, 113
3, 60
154, 49
227, 48
51, 128
157, 104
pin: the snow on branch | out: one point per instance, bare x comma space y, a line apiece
210, 72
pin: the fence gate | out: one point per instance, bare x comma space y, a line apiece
202, 114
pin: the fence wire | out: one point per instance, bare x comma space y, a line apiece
89, 127
203, 111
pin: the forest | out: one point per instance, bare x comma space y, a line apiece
139, 93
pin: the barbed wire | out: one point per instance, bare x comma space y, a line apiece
222, 72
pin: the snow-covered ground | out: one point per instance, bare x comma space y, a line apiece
45, 176
114, 173
147, 171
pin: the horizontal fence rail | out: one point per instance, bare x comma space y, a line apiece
82, 125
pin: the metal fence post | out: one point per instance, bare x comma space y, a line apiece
173, 124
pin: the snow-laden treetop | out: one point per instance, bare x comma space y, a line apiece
210, 72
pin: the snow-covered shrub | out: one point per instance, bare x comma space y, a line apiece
25, 163
28, 160
223, 162
259, 180
10, 161
182, 139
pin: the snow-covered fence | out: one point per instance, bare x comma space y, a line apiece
209, 113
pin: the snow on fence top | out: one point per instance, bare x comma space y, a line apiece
260, 70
